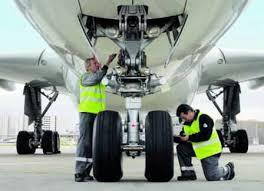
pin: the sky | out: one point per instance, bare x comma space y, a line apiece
16, 34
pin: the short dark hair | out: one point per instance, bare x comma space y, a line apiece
183, 108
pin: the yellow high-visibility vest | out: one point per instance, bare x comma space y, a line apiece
92, 98
207, 148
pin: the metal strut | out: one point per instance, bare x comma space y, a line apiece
231, 103
32, 108
38, 123
52, 98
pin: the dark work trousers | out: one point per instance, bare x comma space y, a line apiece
212, 170
84, 158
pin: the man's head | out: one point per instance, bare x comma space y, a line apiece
185, 112
92, 64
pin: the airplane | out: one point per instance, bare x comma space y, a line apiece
167, 55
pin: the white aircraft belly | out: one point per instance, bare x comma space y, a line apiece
57, 22
108, 8
59, 25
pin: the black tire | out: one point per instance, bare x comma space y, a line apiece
23, 143
56, 138
32, 150
221, 138
107, 154
241, 142
47, 142
159, 147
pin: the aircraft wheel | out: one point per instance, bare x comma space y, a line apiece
48, 142
240, 142
107, 154
159, 147
56, 138
23, 143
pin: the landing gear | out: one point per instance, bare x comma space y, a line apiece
159, 147
56, 142
108, 145
23, 143
240, 145
50, 142
132, 79
107, 153
236, 140
28, 142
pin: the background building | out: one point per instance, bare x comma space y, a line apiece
11, 124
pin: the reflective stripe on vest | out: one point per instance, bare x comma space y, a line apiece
207, 148
92, 98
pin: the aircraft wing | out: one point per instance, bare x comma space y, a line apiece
238, 65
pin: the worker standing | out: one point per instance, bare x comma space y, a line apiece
92, 101
199, 139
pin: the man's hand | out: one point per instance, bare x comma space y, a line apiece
176, 139
184, 138
110, 59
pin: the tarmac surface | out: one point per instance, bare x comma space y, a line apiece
55, 172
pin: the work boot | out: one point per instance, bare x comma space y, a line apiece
84, 177
231, 172
186, 178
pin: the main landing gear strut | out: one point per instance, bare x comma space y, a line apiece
235, 140
28, 142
